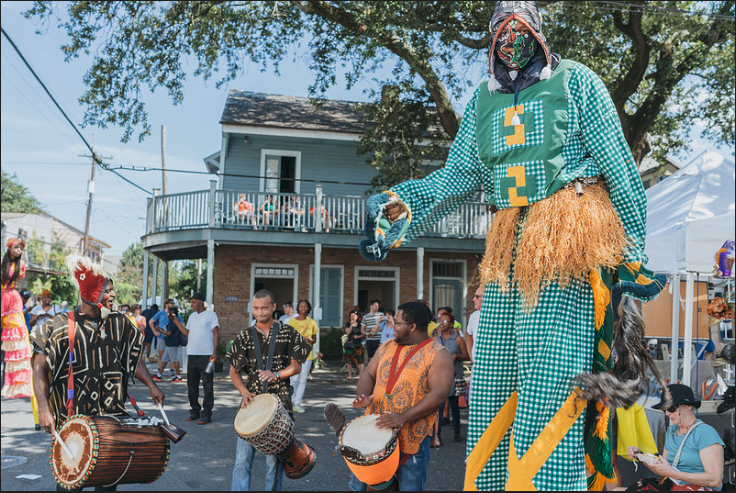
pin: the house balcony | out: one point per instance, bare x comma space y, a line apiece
178, 226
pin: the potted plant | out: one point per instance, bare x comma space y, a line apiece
220, 355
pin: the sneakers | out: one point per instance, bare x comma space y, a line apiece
298, 409
176, 378
192, 416
204, 420
157, 377
457, 437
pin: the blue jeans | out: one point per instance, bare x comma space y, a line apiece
244, 456
411, 475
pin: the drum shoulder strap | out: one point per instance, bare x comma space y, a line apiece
259, 356
70, 378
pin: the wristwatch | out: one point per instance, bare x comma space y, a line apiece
278, 375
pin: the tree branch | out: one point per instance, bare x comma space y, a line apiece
401, 49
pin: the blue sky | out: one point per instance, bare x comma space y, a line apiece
40, 147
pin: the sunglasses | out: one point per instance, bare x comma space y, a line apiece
672, 409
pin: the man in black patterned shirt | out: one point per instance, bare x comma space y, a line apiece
248, 377
107, 352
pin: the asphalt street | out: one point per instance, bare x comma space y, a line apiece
203, 459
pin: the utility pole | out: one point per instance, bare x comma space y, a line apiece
163, 158
91, 190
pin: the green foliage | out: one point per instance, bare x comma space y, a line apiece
330, 344
667, 64
129, 278
16, 197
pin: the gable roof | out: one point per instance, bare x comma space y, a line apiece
257, 109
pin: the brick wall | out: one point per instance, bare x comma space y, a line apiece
232, 276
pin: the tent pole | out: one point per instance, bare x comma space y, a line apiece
674, 350
688, 353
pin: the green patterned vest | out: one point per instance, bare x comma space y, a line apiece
525, 159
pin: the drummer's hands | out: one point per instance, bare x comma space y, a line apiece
157, 395
247, 396
266, 376
46, 420
362, 401
390, 420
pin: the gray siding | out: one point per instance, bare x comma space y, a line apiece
322, 160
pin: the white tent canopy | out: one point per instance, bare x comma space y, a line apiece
689, 217
690, 214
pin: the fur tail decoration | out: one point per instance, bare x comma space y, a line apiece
629, 378
633, 359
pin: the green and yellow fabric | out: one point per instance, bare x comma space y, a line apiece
531, 355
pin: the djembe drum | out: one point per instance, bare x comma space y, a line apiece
108, 451
265, 424
371, 453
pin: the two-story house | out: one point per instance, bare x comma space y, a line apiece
288, 200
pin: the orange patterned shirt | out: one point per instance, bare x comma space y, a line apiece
410, 388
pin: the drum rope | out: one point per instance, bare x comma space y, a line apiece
130, 459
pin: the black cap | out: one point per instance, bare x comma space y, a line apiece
681, 394
197, 296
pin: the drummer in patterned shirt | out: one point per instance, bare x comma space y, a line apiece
107, 352
407, 393
249, 375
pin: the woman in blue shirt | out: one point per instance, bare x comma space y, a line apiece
700, 464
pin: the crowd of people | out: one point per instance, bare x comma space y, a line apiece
409, 393
543, 140
286, 212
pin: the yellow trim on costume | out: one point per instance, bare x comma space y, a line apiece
644, 280
486, 445
604, 350
601, 426
601, 297
521, 471
518, 173
518, 136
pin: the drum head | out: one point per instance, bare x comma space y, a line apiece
256, 415
79, 434
363, 435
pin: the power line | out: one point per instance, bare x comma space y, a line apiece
95, 157
236, 175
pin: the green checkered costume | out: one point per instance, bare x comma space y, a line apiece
539, 353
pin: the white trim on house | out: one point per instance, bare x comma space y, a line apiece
464, 288
254, 266
290, 132
341, 289
298, 133
276, 152
396, 280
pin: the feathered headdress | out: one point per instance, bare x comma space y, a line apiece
90, 280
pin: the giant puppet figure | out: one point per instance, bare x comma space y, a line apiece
543, 141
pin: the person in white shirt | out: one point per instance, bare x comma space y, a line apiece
202, 331
370, 323
288, 313
473, 319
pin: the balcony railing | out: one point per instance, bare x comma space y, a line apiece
259, 211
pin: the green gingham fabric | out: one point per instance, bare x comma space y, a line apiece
533, 138
537, 353
595, 146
